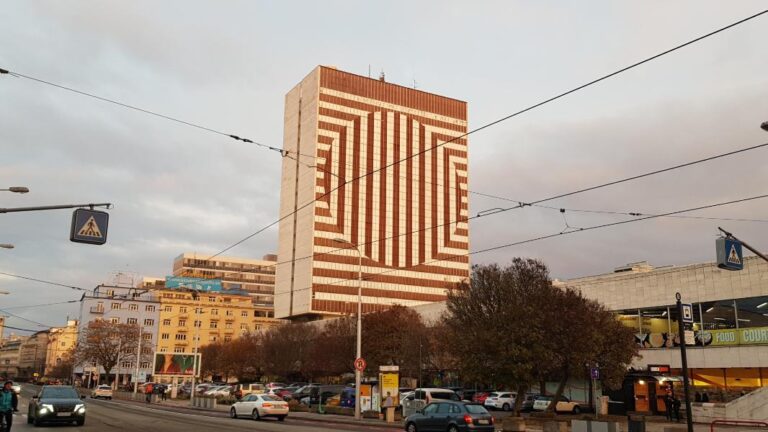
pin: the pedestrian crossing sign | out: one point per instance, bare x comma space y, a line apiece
729, 254
89, 226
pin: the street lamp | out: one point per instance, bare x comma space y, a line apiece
17, 189
359, 320
4, 292
764, 126
6, 246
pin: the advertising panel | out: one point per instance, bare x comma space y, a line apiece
193, 283
389, 385
176, 364
745, 336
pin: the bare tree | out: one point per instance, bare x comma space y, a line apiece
105, 343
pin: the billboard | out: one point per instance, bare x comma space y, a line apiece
176, 364
193, 283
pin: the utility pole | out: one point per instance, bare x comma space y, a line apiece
138, 362
198, 324
684, 361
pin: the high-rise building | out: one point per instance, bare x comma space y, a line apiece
378, 167
254, 277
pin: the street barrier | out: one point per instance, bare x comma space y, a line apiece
747, 423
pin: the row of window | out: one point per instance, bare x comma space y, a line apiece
726, 322
130, 364
131, 306
147, 322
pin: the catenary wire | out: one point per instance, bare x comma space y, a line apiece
44, 281
25, 319
545, 237
495, 122
41, 305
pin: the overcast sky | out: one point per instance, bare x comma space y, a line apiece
228, 65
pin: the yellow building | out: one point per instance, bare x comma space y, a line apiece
61, 340
221, 317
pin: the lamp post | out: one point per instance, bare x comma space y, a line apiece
16, 189
359, 354
6, 246
764, 126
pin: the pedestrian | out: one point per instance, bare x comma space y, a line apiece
164, 392
676, 408
148, 389
705, 397
697, 397
668, 406
9, 403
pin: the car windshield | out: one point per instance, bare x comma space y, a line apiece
104, 387
445, 395
59, 393
270, 398
476, 409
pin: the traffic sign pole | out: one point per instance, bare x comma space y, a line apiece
684, 361
754, 251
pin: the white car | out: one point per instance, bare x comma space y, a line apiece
219, 391
563, 405
102, 391
500, 400
16, 388
257, 406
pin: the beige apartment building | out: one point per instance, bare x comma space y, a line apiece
32, 355
213, 316
404, 214
61, 341
254, 277
10, 349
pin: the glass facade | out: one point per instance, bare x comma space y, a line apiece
719, 323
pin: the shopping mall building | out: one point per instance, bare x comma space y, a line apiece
728, 355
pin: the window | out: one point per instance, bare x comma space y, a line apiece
163, 349
165, 336
115, 320
150, 308
166, 322
63, 344
127, 364
213, 338
149, 322
146, 336
182, 323
167, 295
178, 349
211, 299
752, 312
115, 305
168, 308
144, 364
431, 408
132, 321
214, 324
227, 338
181, 336
243, 326
198, 323
230, 313
228, 325
183, 309
111, 293
214, 311
244, 314
133, 307
146, 350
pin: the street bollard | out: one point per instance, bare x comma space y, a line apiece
635, 423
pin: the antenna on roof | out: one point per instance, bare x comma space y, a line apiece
369, 70
381, 76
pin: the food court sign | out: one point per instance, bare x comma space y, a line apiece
747, 336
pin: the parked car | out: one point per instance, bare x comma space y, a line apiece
56, 404
450, 416
219, 391
272, 385
500, 400
102, 391
258, 406
297, 385
16, 388
320, 394
480, 396
242, 390
347, 397
563, 404
527, 405
432, 394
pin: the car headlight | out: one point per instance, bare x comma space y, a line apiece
46, 408
80, 408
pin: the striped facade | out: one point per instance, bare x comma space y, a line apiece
408, 218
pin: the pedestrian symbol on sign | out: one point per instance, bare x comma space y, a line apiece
733, 256
90, 229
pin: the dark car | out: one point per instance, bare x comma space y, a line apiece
527, 405
56, 404
450, 416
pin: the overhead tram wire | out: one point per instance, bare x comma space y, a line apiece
549, 236
486, 126
41, 305
25, 319
536, 203
503, 119
44, 281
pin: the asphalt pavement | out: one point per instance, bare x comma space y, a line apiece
117, 416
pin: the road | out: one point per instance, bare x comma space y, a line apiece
117, 416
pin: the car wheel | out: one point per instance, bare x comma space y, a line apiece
81, 422
453, 428
281, 418
36, 422
576, 410
505, 407
233, 413
255, 414
411, 427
